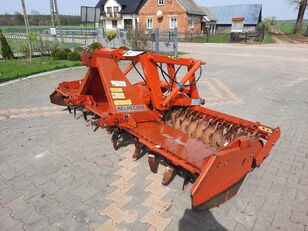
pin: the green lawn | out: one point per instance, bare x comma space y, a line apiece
268, 38
219, 38
18, 68
288, 27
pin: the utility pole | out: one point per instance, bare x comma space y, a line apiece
58, 19
52, 15
27, 28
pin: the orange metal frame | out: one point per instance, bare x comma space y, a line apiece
140, 113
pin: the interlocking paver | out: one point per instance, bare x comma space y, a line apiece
67, 175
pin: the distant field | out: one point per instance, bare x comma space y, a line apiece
288, 27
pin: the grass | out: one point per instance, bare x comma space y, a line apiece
288, 27
18, 68
219, 38
268, 38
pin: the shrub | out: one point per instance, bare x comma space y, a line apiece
79, 50
73, 56
94, 46
111, 34
67, 50
61, 55
137, 40
53, 52
6, 50
124, 48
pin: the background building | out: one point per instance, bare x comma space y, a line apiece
185, 15
120, 14
224, 14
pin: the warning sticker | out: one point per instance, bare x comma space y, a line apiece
122, 102
118, 95
132, 108
115, 83
265, 129
116, 89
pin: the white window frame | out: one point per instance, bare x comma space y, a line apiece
160, 2
149, 25
171, 23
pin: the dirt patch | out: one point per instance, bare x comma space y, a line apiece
295, 39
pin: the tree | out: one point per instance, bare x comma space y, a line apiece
6, 50
302, 5
27, 27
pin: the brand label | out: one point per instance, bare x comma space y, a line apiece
131, 108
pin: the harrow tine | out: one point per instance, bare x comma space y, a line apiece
186, 181
153, 162
85, 116
93, 124
69, 109
138, 150
168, 175
75, 112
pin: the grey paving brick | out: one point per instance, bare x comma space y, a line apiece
247, 221
262, 225
8, 195
68, 223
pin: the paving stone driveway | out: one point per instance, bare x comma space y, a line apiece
56, 174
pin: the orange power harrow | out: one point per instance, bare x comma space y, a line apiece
164, 116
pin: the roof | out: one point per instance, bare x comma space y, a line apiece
128, 6
191, 7
224, 14
209, 14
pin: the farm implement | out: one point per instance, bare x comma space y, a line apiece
163, 115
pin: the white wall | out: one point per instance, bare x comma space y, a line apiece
109, 24
112, 3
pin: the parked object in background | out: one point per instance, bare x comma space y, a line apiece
213, 150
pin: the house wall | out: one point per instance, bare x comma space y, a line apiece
112, 3
169, 9
108, 24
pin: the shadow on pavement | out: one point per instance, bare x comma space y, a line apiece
196, 220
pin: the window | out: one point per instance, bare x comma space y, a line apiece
160, 2
149, 23
173, 23
109, 10
114, 24
116, 9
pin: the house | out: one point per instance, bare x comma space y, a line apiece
252, 14
210, 21
120, 14
185, 15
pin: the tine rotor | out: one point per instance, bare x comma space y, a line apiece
153, 162
168, 175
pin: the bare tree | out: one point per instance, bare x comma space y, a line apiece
58, 18
52, 15
302, 6
27, 27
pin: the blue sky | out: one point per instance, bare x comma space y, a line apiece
281, 9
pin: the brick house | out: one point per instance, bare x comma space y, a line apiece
185, 15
